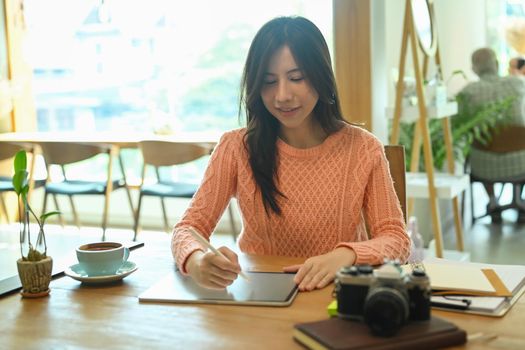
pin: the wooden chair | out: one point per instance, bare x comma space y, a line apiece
395, 154
7, 151
510, 140
64, 155
161, 154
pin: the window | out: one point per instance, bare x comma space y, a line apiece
160, 65
134, 65
503, 16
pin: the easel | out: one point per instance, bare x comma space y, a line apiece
421, 132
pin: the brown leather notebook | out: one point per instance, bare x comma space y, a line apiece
338, 334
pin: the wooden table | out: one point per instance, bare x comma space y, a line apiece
121, 140
110, 316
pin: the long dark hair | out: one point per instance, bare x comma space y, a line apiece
311, 54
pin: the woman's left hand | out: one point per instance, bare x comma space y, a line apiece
319, 271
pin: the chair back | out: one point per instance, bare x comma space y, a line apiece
163, 153
66, 153
167, 153
8, 150
395, 154
510, 138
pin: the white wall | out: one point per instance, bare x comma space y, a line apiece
461, 30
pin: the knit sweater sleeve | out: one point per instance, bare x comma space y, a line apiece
388, 237
210, 201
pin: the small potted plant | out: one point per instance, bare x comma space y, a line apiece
35, 266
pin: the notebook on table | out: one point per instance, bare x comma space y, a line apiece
338, 334
462, 279
512, 277
263, 289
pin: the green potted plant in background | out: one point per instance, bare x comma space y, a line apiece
471, 123
35, 266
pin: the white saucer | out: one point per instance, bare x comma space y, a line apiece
76, 272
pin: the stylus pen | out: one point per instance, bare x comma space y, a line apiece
208, 245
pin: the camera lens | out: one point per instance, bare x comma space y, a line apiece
385, 311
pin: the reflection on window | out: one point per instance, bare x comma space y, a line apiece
134, 65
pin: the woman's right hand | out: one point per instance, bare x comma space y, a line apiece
213, 271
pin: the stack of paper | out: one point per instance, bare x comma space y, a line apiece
487, 289
455, 278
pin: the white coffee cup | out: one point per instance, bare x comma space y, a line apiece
102, 258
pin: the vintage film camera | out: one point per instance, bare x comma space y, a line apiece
385, 298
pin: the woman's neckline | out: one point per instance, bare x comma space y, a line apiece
310, 151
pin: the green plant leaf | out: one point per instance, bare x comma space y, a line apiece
471, 124
21, 187
19, 180
20, 162
23, 195
43, 217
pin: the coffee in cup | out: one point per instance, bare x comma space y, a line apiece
102, 258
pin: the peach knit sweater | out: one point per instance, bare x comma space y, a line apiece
328, 188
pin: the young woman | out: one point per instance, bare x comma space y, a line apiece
305, 180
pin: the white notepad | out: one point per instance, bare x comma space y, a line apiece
458, 277
263, 288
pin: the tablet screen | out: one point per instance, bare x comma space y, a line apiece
263, 288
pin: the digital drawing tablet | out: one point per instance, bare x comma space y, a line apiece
263, 288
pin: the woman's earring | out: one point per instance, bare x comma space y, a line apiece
332, 99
